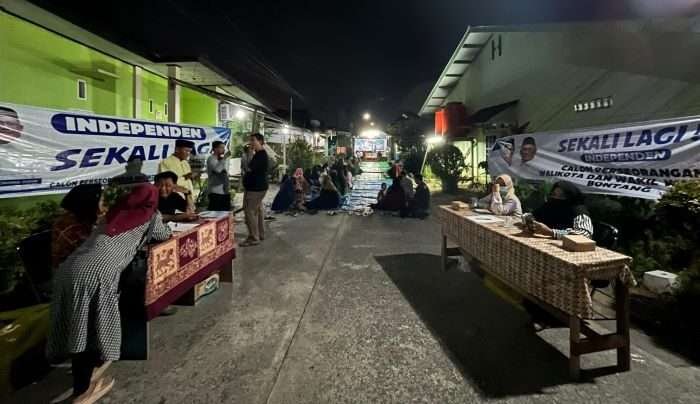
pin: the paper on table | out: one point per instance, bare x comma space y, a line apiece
174, 226
485, 219
213, 214
486, 211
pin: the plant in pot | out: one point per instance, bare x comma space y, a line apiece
447, 163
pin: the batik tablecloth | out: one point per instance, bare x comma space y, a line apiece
176, 265
535, 265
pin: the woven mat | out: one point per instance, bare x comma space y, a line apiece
535, 265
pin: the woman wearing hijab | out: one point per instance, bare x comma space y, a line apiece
82, 206
328, 199
395, 199
301, 188
502, 199
85, 320
285, 196
563, 213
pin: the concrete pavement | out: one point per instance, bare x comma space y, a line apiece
353, 309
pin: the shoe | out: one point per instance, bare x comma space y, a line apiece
168, 311
97, 390
270, 218
249, 243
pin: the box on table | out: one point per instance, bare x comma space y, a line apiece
578, 243
459, 205
199, 290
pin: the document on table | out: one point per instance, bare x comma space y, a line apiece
485, 219
213, 214
180, 227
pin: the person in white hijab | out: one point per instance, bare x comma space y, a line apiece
502, 199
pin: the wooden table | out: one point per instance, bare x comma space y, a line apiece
175, 266
544, 273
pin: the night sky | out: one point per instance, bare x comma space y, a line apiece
341, 57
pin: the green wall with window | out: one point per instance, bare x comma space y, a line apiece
153, 88
198, 108
38, 67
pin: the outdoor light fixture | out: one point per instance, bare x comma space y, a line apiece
371, 124
240, 114
434, 140
598, 103
366, 116
285, 129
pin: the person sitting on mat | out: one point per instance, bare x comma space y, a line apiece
285, 196
395, 199
329, 198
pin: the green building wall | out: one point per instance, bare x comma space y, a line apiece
40, 68
198, 108
153, 88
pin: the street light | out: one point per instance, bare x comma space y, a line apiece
371, 124
366, 116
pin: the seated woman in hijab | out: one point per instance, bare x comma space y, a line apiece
285, 196
563, 213
85, 318
502, 199
82, 207
301, 188
395, 199
328, 199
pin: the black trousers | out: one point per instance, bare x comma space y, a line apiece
219, 202
83, 365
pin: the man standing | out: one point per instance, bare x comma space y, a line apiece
218, 186
255, 184
177, 163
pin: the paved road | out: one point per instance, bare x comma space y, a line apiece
347, 309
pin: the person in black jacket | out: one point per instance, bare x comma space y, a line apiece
255, 185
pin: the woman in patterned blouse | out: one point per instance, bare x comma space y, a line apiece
563, 213
85, 318
82, 206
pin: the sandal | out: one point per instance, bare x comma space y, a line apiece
96, 375
96, 391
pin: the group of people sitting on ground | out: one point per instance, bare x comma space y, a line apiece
403, 198
324, 186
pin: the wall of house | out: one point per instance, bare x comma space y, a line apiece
197, 108
154, 88
636, 63
38, 67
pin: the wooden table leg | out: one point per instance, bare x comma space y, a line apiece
443, 258
226, 273
574, 339
622, 316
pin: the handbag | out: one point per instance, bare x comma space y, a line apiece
132, 303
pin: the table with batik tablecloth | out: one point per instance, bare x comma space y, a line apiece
541, 270
175, 266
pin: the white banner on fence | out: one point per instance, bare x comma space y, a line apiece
638, 161
44, 151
